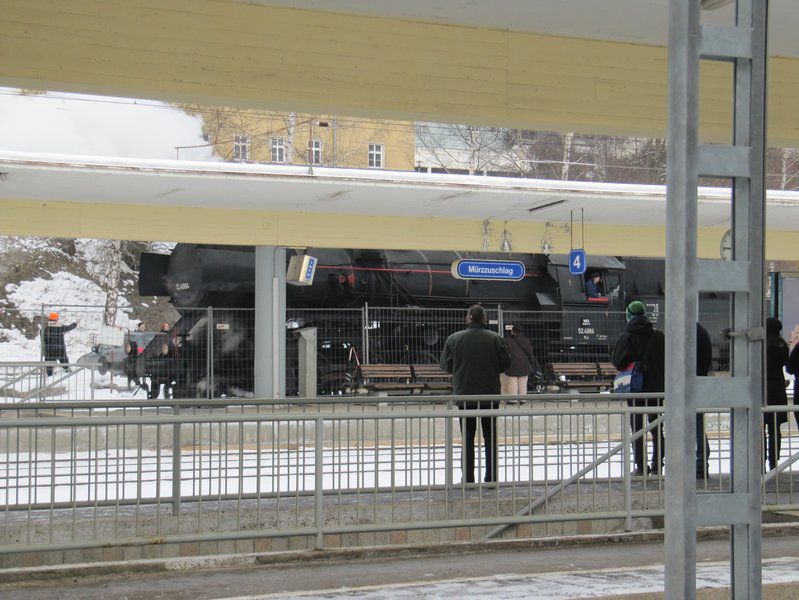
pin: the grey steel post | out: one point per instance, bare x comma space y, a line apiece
749, 207
209, 353
365, 334
681, 304
176, 460
500, 320
743, 277
270, 319
625, 470
43, 370
448, 449
319, 492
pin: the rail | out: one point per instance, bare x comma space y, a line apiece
80, 475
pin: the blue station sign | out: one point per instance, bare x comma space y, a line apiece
491, 270
310, 268
577, 263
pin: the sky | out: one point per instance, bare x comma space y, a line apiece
59, 123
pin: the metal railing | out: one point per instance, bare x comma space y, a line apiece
52, 381
95, 474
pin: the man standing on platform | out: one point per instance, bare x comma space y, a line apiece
641, 343
476, 357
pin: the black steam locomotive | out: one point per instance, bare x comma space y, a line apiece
211, 352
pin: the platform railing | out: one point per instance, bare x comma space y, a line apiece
93, 474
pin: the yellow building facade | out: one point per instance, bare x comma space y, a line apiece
267, 137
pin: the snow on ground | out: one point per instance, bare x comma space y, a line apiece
131, 473
73, 298
14, 346
548, 586
29, 244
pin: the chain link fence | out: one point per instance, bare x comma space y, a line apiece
210, 352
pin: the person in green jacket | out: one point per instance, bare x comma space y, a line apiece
476, 356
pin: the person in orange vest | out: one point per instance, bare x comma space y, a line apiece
55, 350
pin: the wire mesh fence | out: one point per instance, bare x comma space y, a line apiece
209, 352
341, 346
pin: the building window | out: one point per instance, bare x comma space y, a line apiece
375, 156
241, 148
278, 146
316, 152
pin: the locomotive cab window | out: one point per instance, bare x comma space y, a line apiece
598, 286
612, 283
594, 287
572, 287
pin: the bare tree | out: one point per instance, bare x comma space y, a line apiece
783, 168
114, 262
468, 149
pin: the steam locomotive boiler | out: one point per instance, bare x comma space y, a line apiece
214, 349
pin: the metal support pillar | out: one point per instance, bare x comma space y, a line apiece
744, 45
270, 321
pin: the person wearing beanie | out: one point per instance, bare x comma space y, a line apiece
640, 341
776, 359
635, 309
53, 345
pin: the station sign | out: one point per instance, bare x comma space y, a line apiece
577, 262
301, 270
488, 270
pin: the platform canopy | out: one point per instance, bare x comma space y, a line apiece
225, 203
587, 66
591, 66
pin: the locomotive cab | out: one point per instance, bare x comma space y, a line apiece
592, 304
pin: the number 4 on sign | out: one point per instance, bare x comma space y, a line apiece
577, 262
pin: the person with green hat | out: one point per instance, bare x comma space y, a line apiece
640, 342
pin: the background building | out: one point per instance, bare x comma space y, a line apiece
298, 139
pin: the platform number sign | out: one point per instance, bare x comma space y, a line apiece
577, 264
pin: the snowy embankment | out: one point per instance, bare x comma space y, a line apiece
73, 298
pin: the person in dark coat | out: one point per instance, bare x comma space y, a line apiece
793, 369
55, 349
522, 361
592, 286
640, 341
476, 357
776, 359
704, 358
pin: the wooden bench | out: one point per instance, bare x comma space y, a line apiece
433, 377
607, 371
386, 378
583, 375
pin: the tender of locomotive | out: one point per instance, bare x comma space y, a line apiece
549, 305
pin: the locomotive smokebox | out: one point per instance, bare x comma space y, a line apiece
211, 276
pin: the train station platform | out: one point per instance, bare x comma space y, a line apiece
618, 566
